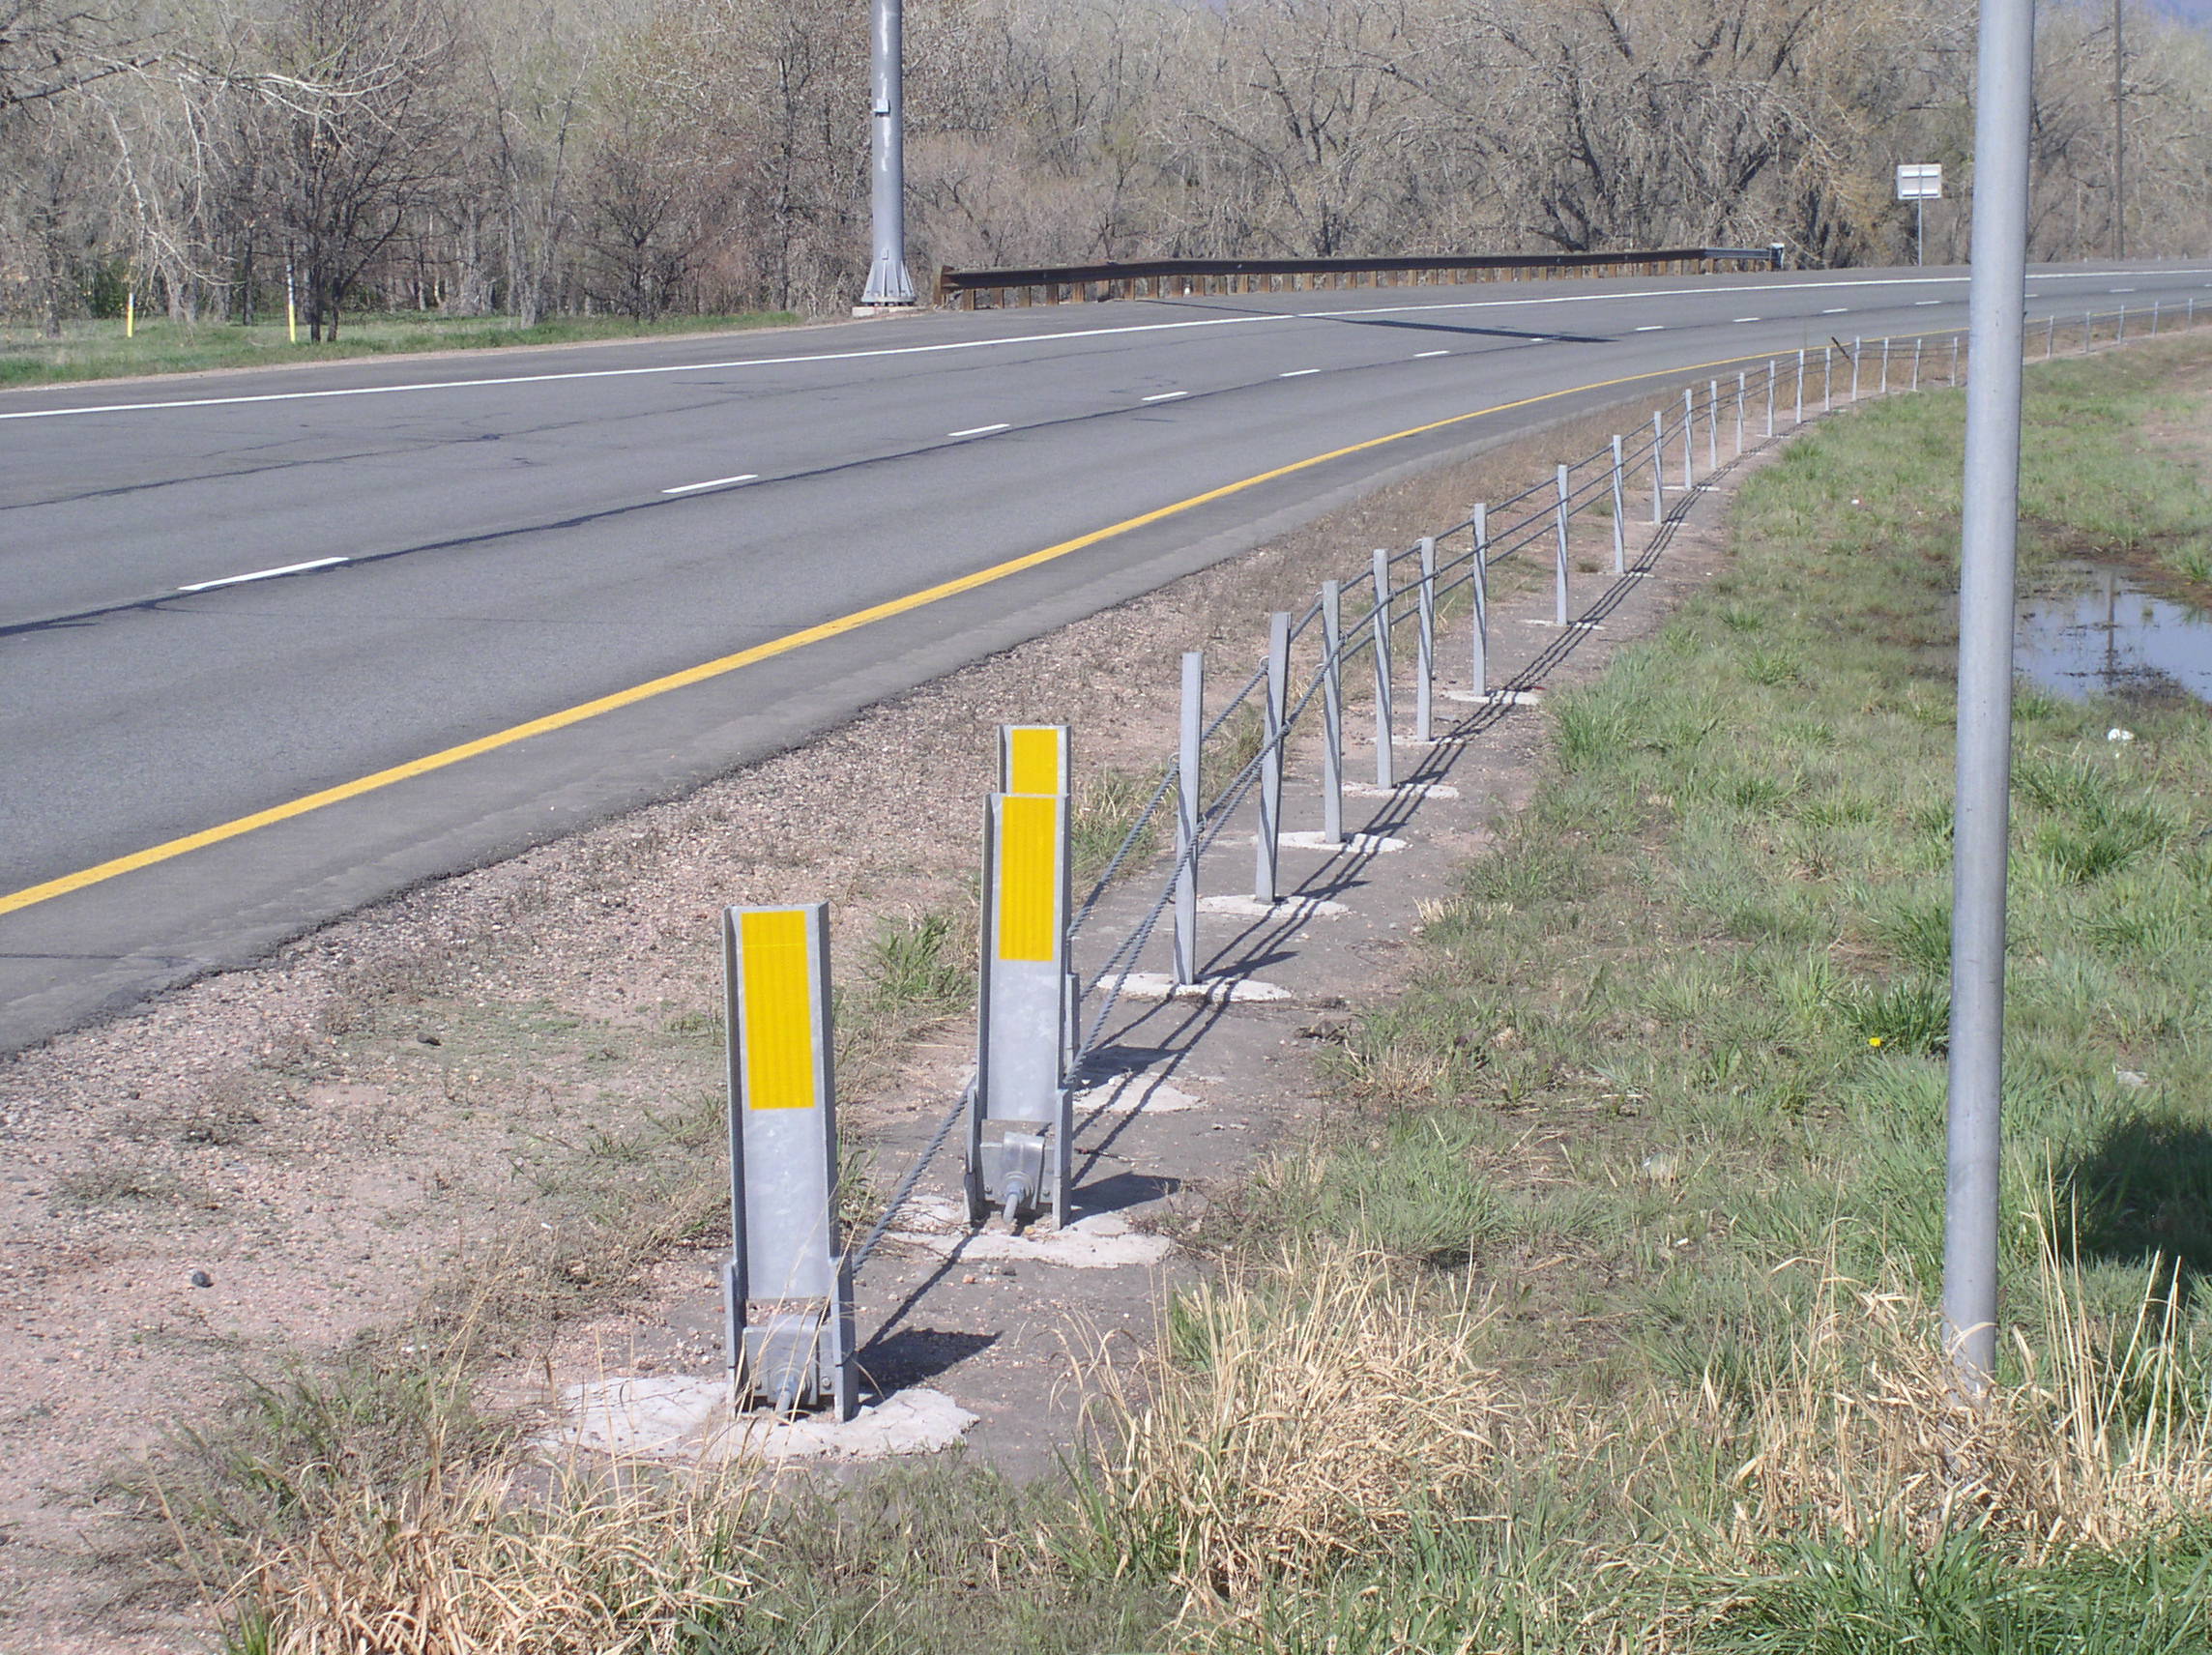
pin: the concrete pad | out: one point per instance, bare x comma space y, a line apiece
1297, 907
679, 1417
1212, 990
1358, 844
1103, 1242
1495, 697
1132, 1092
1404, 790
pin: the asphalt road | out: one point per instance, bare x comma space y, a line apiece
492, 538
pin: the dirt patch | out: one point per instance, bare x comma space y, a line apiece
498, 1097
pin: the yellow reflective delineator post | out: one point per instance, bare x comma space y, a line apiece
787, 1292
1033, 757
1020, 1125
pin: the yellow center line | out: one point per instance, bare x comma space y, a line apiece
785, 645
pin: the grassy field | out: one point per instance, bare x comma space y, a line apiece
99, 350
1604, 1321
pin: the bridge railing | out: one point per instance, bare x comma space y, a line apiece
1179, 279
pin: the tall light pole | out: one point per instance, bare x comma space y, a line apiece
888, 283
2119, 137
1980, 818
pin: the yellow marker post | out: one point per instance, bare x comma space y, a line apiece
787, 1293
1021, 1126
129, 314
1034, 758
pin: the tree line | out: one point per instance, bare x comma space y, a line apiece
542, 157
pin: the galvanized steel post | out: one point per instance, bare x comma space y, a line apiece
1689, 441
787, 1291
1798, 418
1856, 344
1712, 426
1425, 640
1273, 710
1771, 370
1658, 467
1885, 387
1619, 507
1332, 712
1559, 561
1917, 344
1386, 738
888, 283
1827, 378
1742, 389
1981, 823
1479, 570
1187, 783
1022, 1125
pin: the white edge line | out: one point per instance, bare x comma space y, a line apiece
263, 574
737, 363
1166, 395
1297, 373
981, 430
1418, 354
717, 483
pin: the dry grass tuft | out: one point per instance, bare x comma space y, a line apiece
588, 1569
1320, 1407
2100, 1443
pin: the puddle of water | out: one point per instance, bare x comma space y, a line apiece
2097, 634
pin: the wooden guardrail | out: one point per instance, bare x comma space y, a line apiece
1178, 278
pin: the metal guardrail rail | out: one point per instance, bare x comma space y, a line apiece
1178, 278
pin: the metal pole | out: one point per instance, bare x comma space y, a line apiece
1559, 561
1741, 385
1798, 418
2051, 335
888, 283
1620, 528
1980, 830
2086, 320
1856, 345
2120, 332
1425, 640
1885, 364
1479, 570
1187, 782
1274, 709
1385, 735
1917, 344
1770, 371
1827, 378
1712, 426
1954, 359
1658, 467
2119, 135
1689, 440
1332, 712
2154, 317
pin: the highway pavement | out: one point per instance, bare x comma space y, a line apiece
276, 643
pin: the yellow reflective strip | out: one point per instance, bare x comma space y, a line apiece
778, 1000
1034, 765
1029, 877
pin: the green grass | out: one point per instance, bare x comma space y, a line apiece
1673, 1056
99, 350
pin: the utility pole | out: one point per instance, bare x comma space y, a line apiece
1981, 816
2119, 137
888, 283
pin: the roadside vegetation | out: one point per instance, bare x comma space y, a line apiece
93, 349
1603, 1319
